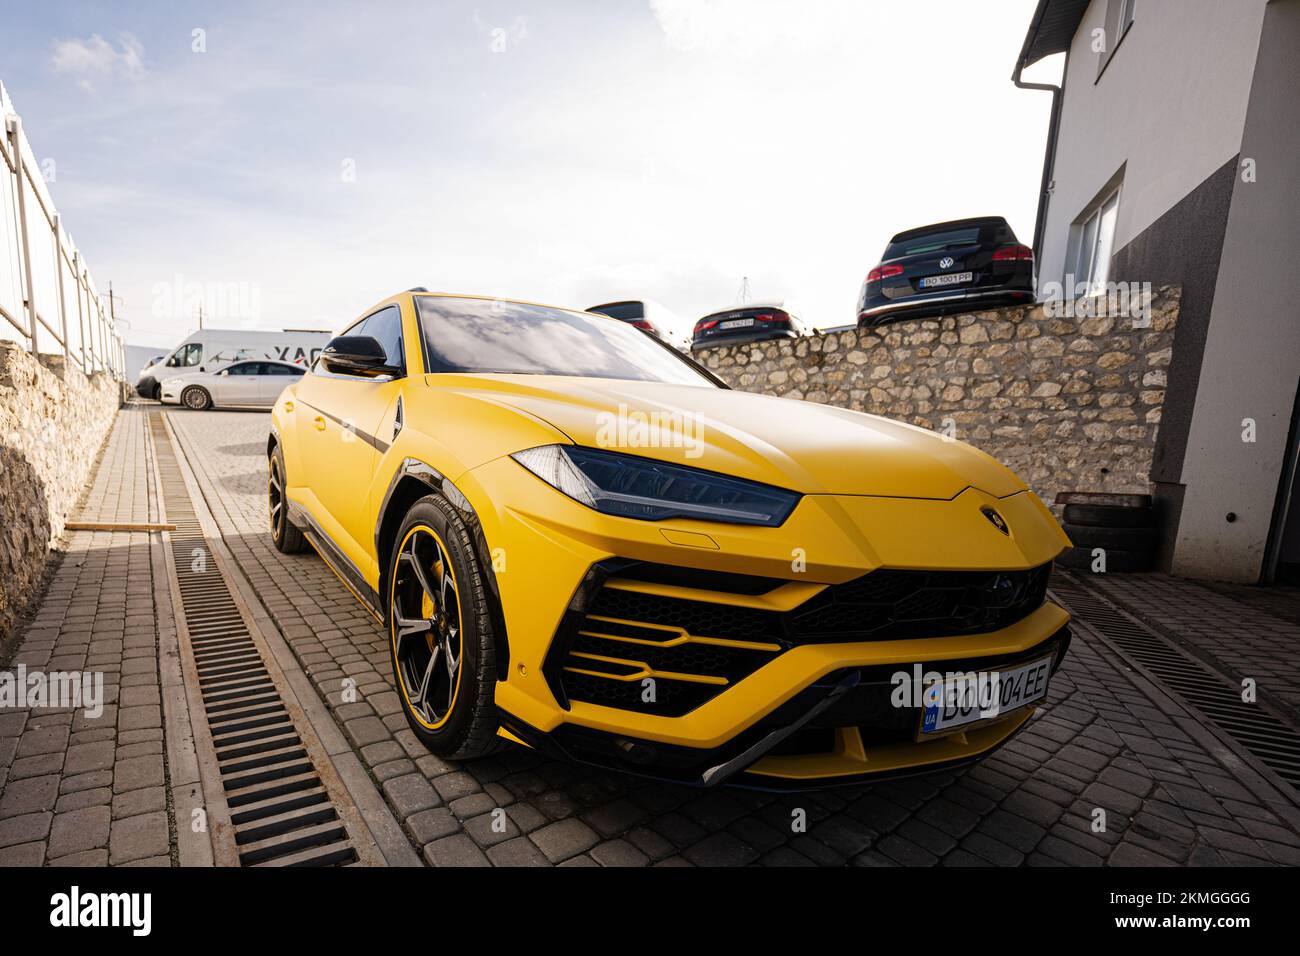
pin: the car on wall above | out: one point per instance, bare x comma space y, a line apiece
239, 385
649, 316
958, 266
751, 322
580, 541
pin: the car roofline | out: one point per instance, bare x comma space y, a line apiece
950, 224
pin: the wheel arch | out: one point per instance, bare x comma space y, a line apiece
413, 480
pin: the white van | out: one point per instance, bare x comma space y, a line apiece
210, 349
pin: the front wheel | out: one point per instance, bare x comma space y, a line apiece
197, 398
440, 633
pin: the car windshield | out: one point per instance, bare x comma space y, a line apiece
486, 335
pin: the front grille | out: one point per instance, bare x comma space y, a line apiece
892, 605
613, 639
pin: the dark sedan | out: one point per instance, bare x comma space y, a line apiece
948, 267
751, 322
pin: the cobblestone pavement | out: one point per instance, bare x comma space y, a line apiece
1243, 640
1171, 794
1100, 743
77, 789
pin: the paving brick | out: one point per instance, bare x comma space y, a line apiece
144, 800
23, 854
30, 795
410, 794
618, 853
79, 830
138, 837
519, 851
721, 849
83, 758
564, 839
136, 772
457, 850
24, 829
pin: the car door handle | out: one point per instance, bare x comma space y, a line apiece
320, 423
288, 406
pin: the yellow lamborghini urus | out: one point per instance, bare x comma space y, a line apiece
583, 542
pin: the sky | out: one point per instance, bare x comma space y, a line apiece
290, 164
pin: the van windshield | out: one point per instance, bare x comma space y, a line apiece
186, 356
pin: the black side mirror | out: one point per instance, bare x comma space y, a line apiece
357, 355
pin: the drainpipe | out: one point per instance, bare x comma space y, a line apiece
1049, 156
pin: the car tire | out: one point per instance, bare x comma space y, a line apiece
1081, 559
285, 535
1109, 516
452, 713
196, 398
1123, 539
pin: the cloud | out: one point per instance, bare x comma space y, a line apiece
748, 28
96, 59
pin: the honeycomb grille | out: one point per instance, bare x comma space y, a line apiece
893, 605
696, 617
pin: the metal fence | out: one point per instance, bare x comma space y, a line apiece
48, 300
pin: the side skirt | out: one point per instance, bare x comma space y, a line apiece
337, 561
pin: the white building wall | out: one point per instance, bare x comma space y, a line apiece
1169, 108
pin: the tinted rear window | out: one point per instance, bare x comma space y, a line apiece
627, 311
933, 242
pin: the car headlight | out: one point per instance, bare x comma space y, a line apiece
633, 487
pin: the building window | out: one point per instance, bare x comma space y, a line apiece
1119, 17
1092, 243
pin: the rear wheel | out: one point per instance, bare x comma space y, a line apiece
284, 534
197, 398
440, 633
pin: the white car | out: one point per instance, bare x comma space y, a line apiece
240, 385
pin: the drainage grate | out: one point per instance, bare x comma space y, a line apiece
281, 812
1254, 729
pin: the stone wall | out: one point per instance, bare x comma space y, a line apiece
1070, 404
52, 424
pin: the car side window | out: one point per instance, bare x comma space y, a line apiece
385, 327
243, 368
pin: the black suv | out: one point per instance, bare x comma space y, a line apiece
948, 267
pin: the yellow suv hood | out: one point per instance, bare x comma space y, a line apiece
809, 448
